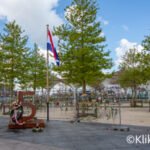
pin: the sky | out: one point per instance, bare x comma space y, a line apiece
124, 22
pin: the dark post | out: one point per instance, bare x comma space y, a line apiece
149, 105
47, 81
47, 111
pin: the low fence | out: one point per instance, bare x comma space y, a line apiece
57, 113
102, 113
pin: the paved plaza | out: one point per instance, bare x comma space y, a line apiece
63, 135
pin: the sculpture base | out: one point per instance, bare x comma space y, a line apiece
28, 124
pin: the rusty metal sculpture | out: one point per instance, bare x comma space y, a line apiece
17, 118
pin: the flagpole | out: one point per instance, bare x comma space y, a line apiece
47, 80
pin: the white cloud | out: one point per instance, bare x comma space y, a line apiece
104, 21
69, 11
102, 34
32, 16
44, 53
125, 27
124, 46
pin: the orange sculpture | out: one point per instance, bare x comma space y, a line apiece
17, 118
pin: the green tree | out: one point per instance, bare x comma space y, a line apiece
146, 43
13, 49
82, 53
131, 72
1, 66
37, 69
24, 76
145, 58
33, 73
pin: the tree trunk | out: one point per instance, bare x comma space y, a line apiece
125, 89
11, 91
83, 87
42, 91
133, 101
34, 83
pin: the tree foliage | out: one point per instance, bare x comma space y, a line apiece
19, 64
146, 43
131, 69
35, 70
82, 53
13, 49
145, 58
131, 72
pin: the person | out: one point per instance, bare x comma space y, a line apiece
16, 113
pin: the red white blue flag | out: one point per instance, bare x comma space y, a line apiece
50, 47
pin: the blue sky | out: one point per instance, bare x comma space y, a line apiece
124, 22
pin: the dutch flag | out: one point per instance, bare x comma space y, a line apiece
50, 47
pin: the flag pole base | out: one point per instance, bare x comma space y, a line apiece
47, 111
